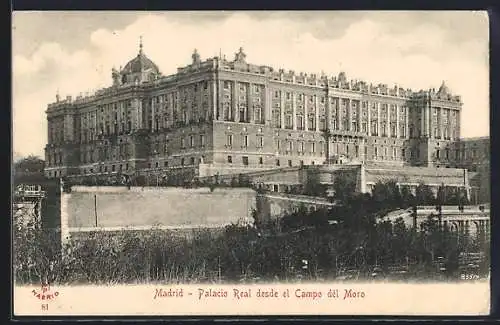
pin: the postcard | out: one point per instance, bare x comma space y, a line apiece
251, 163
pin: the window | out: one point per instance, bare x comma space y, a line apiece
182, 161
288, 95
230, 159
183, 145
311, 123
376, 152
277, 162
289, 163
245, 141
260, 141
403, 153
276, 94
202, 140
244, 159
289, 146
191, 141
437, 154
300, 122
229, 140
313, 147
113, 168
226, 85
165, 164
257, 89
322, 124
366, 150
288, 121
258, 115
261, 161
157, 165
192, 161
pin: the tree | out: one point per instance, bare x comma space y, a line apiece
29, 170
31, 164
386, 195
424, 195
344, 186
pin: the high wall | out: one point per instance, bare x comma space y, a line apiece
144, 208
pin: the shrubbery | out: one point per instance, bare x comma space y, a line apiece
352, 235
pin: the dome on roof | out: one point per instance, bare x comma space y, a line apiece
140, 63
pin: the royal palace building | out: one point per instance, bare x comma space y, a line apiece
221, 116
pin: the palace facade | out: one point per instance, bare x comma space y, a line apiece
221, 117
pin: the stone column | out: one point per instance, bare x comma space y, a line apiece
236, 109
282, 108
349, 115
398, 132
294, 110
249, 111
378, 120
388, 123
306, 112
214, 100
429, 120
139, 111
340, 111
407, 124
422, 121
153, 107
359, 114
369, 118
268, 110
440, 122
316, 111
177, 106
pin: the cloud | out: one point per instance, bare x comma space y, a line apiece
418, 58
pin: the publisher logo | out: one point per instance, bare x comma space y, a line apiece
45, 292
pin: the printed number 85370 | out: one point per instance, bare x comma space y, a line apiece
469, 276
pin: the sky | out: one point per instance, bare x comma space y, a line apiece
73, 53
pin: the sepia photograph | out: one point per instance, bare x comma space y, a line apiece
250, 162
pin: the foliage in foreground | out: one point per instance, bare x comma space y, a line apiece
318, 245
237, 254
